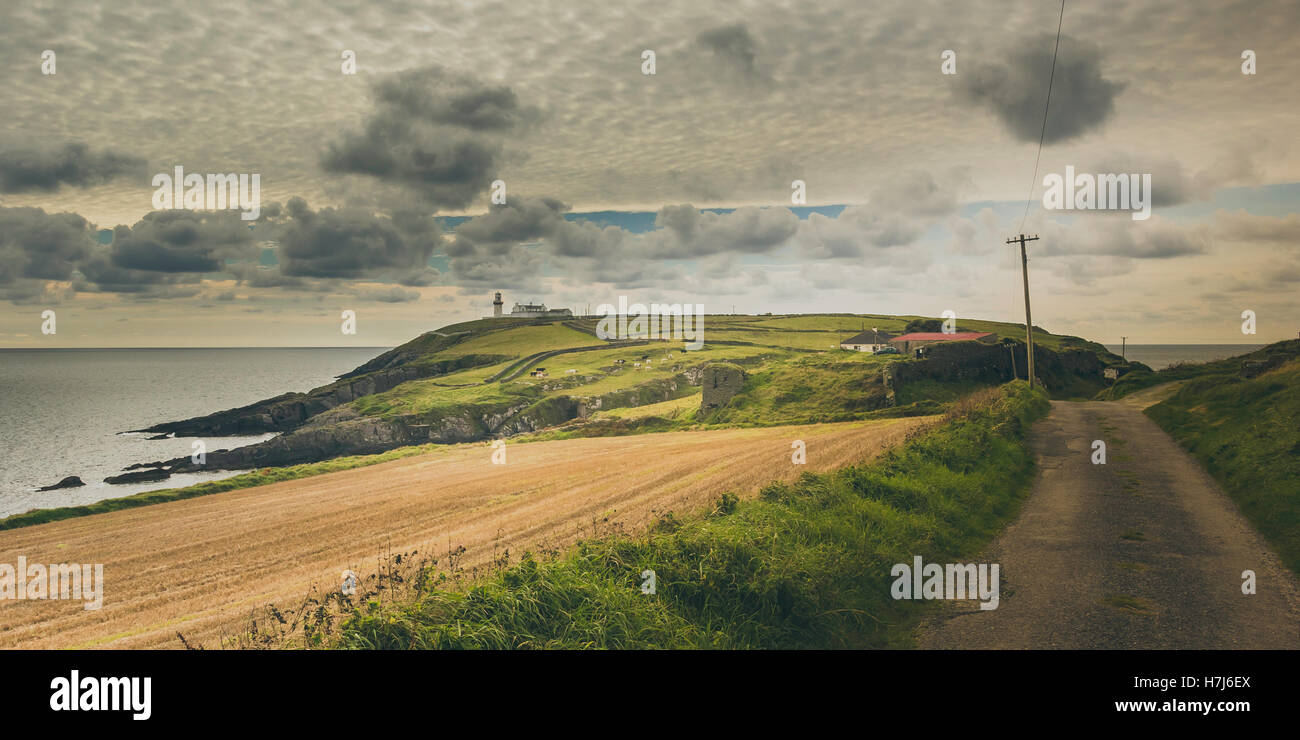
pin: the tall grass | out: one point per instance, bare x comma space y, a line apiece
804, 565
1245, 434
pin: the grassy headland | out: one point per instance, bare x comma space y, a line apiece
473, 381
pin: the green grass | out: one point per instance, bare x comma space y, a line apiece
1245, 433
805, 565
940, 391
799, 378
521, 341
834, 386
677, 408
597, 375
433, 397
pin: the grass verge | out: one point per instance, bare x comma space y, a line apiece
1244, 432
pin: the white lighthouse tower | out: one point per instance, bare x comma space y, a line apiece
496, 306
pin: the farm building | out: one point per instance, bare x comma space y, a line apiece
867, 341
909, 343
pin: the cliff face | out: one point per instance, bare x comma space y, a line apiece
344, 431
999, 363
720, 382
292, 410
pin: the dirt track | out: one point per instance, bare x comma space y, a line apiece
1145, 551
200, 566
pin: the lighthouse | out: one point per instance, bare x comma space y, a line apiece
496, 306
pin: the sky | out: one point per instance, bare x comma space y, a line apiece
376, 188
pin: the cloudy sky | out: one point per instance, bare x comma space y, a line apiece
375, 187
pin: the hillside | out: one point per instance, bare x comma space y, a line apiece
477, 380
1255, 362
1244, 431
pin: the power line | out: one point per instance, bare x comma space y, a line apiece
1033, 181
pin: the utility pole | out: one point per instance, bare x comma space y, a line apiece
1123, 348
1029, 318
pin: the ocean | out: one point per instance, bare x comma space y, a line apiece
1160, 356
63, 410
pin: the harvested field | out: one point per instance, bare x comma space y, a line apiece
202, 565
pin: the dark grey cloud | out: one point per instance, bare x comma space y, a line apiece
157, 257
683, 232
183, 241
520, 219
1016, 91
509, 245
101, 274
352, 243
433, 131
37, 245
46, 170
167, 254
735, 46
434, 95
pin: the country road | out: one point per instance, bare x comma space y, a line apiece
1143, 552
200, 566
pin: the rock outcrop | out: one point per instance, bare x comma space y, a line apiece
997, 363
720, 382
344, 431
291, 410
71, 481
149, 475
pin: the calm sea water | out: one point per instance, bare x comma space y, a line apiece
62, 411
1158, 356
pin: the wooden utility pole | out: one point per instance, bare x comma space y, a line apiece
1029, 318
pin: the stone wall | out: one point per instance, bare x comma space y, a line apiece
721, 381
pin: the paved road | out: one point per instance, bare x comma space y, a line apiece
1145, 551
